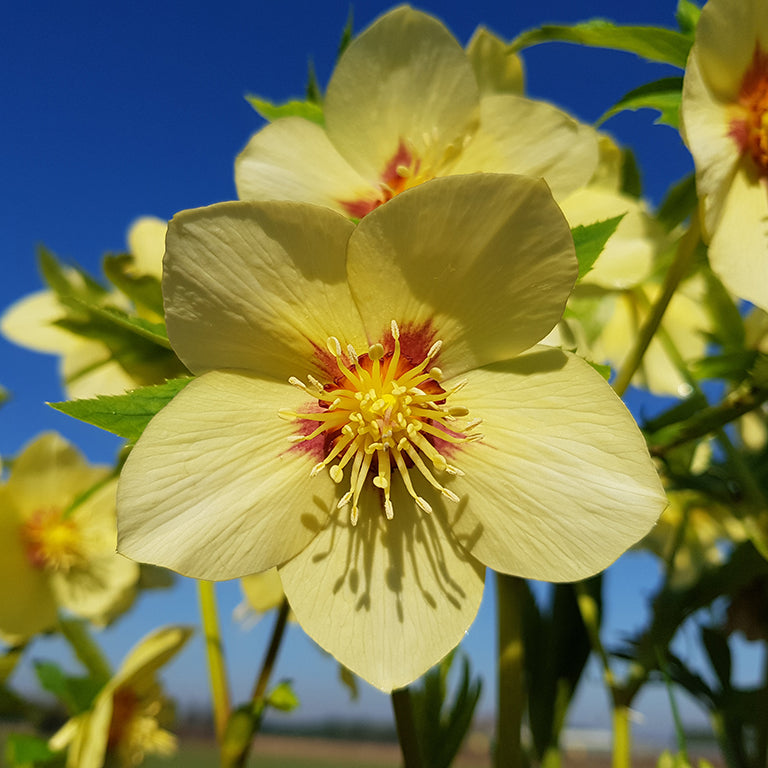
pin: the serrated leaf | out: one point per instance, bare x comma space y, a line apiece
662, 95
282, 697
143, 290
652, 43
309, 110
114, 318
124, 415
590, 240
687, 16
67, 282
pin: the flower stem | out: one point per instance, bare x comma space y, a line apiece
677, 271
511, 678
622, 738
245, 721
406, 728
215, 651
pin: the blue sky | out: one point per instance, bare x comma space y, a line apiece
112, 111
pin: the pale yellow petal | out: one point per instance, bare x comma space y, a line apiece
146, 243
27, 606
29, 323
629, 254
50, 472
256, 286
214, 489
520, 135
725, 42
405, 78
388, 598
264, 591
497, 70
88, 371
151, 653
562, 483
738, 252
90, 749
293, 159
483, 262
705, 126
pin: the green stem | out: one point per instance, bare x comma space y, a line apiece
86, 649
622, 738
215, 652
677, 271
511, 677
245, 721
406, 728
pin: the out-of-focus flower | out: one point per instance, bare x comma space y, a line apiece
724, 115
88, 367
128, 717
693, 531
496, 69
403, 106
57, 541
369, 481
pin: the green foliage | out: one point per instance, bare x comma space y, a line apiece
309, 109
652, 43
75, 693
142, 290
687, 16
23, 750
680, 202
557, 646
590, 240
86, 649
124, 415
282, 697
442, 726
662, 95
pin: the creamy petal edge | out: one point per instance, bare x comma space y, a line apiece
388, 598
253, 286
215, 470
562, 482
486, 260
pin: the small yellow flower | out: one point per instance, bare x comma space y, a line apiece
53, 554
403, 106
725, 125
126, 721
372, 416
87, 367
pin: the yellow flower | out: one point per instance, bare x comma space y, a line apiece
725, 125
87, 367
125, 722
404, 106
53, 554
372, 416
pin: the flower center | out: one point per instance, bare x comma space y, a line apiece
408, 168
751, 131
52, 541
382, 410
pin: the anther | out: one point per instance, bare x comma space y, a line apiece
395, 330
376, 351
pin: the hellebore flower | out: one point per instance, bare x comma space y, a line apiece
88, 367
372, 417
403, 106
126, 720
724, 114
53, 553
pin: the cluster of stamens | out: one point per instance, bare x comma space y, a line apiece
52, 540
754, 97
382, 410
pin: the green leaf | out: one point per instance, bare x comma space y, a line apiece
679, 204
24, 750
124, 415
75, 693
347, 33
631, 183
143, 290
662, 95
687, 16
3, 395
652, 43
68, 282
86, 649
282, 697
114, 320
312, 91
590, 241
309, 110
716, 644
